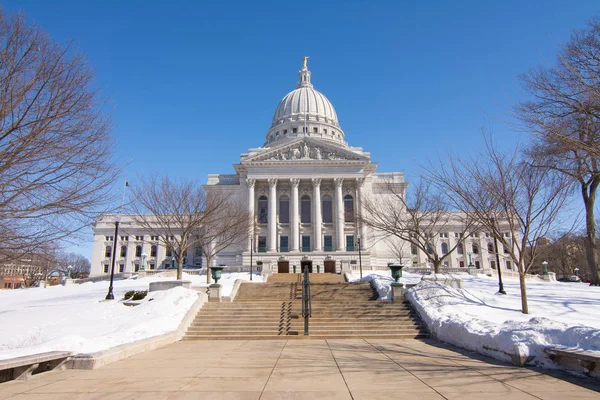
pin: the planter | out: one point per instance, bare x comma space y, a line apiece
216, 272
396, 271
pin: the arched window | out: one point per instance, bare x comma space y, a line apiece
153, 251
444, 248
429, 249
123, 251
475, 248
138, 251
490, 247
108, 251
305, 209
348, 208
284, 210
263, 203
459, 248
327, 209
414, 250
169, 252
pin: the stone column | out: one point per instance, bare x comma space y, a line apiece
294, 223
250, 184
359, 198
339, 214
317, 213
272, 222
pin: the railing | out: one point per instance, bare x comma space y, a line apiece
306, 304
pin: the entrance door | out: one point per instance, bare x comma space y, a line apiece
308, 264
329, 267
283, 267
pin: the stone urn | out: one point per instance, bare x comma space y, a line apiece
396, 271
216, 272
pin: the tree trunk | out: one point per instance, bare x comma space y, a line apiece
436, 265
590, 240
523, 285
179, 267
208, 260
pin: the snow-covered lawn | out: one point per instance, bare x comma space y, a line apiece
476, 318
75, 317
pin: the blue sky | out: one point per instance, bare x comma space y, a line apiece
192, 84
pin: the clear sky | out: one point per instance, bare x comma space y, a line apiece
192, 84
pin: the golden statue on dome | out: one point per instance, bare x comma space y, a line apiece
304, 59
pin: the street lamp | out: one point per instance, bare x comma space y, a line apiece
545, 265
359, 257
110, 295
500, 284
576, 271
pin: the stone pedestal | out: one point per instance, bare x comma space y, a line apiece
141, 274
472, 271
215, 292
397, 292
549, 277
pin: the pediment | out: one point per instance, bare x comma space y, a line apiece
306, 150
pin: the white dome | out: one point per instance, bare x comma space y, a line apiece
305, 112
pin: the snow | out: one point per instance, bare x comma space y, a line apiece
476, 318
76, 318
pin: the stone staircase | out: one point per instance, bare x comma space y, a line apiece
272, 310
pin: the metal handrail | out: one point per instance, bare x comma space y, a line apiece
306, 303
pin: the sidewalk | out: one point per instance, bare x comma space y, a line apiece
304, 369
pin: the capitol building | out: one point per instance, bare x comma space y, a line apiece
304, 188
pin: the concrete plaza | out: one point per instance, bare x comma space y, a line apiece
305, 369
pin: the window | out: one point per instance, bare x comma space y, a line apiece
138, 251
109, 238
506, 234
505, 250
108, 251
459, 249
305, 243
263, 203
490, 247
167, 266
285, 131
121, 267
305, 209
429, 249
277, 133
283, 244
169, 252
446, 264
477, 265
444, 248
198, 252
327, 209
414, 249
476, 234
262, 244
461, 264
139, 238
443, 235
348, 208
475, 248
106, 269
154, 238
304, 129
508, 264
350, 243
316, 130
328, 243
487, 234
123, 251
284, 210
325, 131
125, 238
152, 266
493, 264
153, 251
294, 130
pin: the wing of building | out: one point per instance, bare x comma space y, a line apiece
304, 189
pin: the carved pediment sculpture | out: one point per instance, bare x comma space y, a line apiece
306, 151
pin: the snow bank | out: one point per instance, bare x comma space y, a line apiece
75, 317
382, 281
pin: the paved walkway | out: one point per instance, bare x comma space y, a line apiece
304, 369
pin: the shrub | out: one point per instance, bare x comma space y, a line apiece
129, 294
139, 295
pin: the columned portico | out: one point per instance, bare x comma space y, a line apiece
294, 227
339, 212
317, 213
272, 216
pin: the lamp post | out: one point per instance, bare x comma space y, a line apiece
143, 267
69, 268
500, 284
545, 265
359, 258
110, 295
251, 250
576, 271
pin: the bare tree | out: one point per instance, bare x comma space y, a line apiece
506, 195
564, 115
183, 216
421, 219
56, 169
80, 265
397, 247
